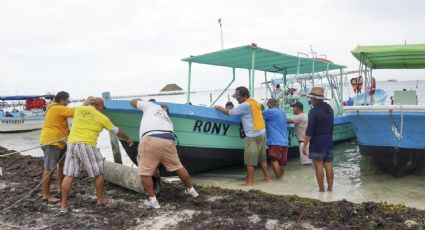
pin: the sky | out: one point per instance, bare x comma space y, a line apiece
131, 47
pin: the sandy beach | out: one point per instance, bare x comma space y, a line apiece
215, 207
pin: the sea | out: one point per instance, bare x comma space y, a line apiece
357, 178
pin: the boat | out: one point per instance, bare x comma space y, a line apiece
392, 80
24, 113
208, 139
393, 135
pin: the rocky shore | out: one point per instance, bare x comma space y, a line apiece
215, 208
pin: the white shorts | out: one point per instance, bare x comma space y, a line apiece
304, 158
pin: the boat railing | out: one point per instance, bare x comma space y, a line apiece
384, 108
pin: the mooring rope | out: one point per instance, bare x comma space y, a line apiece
38, 146
41, 182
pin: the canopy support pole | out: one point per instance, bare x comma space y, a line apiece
267, 84
341, 86
332, 89
312, 72
253, 72
225, 89
188, 83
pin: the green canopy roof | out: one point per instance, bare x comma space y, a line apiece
391, 56
265, 60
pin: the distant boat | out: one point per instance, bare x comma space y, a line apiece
15, 117
392, 134
392, 80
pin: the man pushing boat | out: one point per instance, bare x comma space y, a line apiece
82, 151
254, 126
157, 146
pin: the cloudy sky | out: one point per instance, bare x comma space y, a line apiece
135, 47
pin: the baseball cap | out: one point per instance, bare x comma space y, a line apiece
298, 104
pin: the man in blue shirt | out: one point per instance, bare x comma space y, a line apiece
277, 137
319, 135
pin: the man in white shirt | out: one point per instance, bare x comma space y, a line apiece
157, 146
300, 120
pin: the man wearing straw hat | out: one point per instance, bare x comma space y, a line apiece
318, 137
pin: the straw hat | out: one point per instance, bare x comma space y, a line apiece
318, 93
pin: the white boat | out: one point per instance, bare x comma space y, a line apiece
18, 116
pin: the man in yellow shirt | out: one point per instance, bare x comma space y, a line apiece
82, 152
55, 128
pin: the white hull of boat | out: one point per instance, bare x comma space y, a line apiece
17, 125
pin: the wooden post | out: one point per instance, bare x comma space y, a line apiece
116, 152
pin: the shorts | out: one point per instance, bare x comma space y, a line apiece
81, 155
325, 156
304, 158
255, 150
52, 155
279, 154
153, 151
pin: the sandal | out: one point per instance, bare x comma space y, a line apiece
105, 203
52, 200
65, 210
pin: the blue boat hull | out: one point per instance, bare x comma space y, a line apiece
395, 140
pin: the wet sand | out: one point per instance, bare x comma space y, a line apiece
214, 208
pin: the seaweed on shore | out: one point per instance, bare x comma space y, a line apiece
215, 208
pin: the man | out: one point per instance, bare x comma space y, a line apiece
277, 137
319, 136
277, 91
300, 120
82, 152
55, 128
254, 127
157, 146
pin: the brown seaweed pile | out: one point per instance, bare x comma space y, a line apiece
215, 208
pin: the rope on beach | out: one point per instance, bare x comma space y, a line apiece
32, 190
38, 146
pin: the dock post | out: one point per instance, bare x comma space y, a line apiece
116, 152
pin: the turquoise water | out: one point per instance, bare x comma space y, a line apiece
356, 178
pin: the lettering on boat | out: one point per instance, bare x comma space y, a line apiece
13, 121
211, 127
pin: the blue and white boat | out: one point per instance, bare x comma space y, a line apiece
22, 113
394, 135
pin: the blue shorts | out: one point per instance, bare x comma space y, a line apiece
321, 156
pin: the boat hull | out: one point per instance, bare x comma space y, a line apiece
394, 160
207, 139
392, 135
12, 124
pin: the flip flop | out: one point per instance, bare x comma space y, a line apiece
64, 211
105, 203
51, 201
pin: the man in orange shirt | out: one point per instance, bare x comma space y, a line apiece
55, 128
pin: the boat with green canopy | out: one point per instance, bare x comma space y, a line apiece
208, 139
392, 134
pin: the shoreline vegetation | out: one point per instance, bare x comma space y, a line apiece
215, 208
